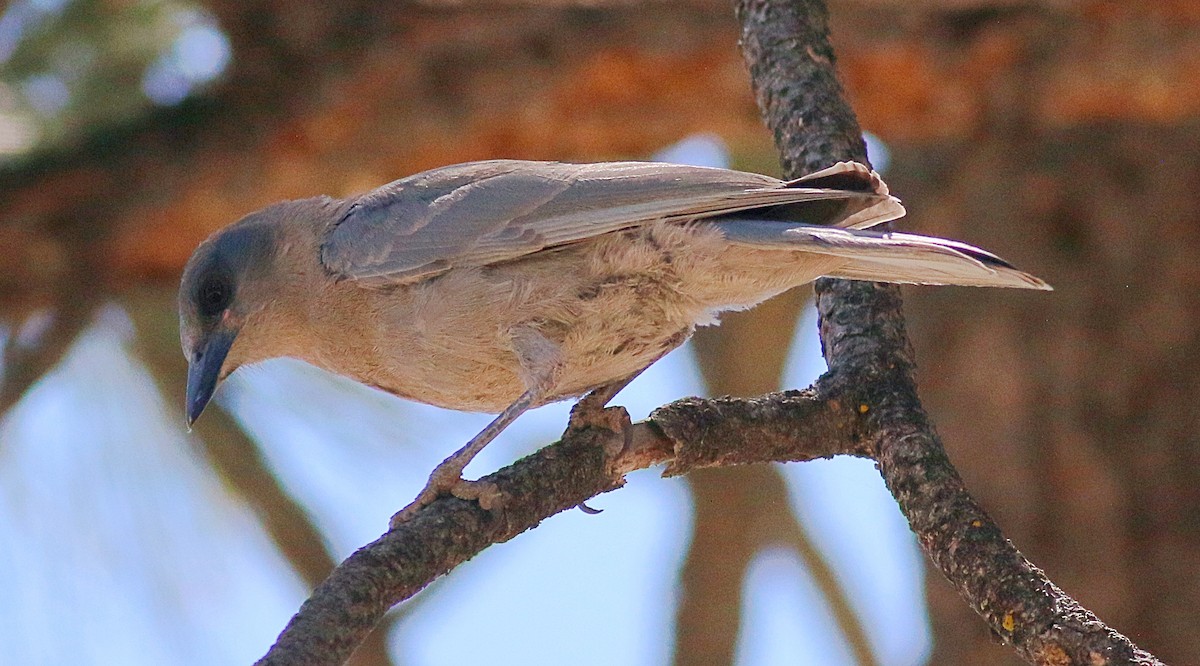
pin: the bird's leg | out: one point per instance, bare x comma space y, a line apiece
447, 476
540, 364
590, 410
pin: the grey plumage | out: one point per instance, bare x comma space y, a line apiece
482, 213
507, 284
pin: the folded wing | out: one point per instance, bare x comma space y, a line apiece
487, 212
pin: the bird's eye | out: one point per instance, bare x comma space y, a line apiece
214, 296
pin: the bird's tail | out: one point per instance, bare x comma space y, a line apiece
884, 256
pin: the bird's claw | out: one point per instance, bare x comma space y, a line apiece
582, 506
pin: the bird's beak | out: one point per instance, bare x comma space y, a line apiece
204, 371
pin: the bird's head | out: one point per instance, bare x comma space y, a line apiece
230, 287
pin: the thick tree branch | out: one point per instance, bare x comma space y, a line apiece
787, 47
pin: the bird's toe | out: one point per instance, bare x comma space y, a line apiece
443, 483
487, 494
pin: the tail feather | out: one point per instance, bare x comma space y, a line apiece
885, 256
859, 212
852, 176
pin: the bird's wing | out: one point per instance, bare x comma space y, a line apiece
487, 212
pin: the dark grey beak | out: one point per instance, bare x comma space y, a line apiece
204, 371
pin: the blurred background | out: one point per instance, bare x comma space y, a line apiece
1062, 134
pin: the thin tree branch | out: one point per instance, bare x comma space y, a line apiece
746, 510
23, 366
786, 44
233, 455
690, 434
793, 535
708, 618
70, 310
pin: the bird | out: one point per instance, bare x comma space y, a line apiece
501, 285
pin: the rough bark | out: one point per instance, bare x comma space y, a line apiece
1064, 137
869, 355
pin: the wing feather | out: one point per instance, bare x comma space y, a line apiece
481, 213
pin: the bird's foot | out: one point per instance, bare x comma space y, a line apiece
593, 414
590, 412
447, 480
590, 409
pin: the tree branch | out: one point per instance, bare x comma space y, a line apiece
689, 434
787, 47
70, 312
238, 461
